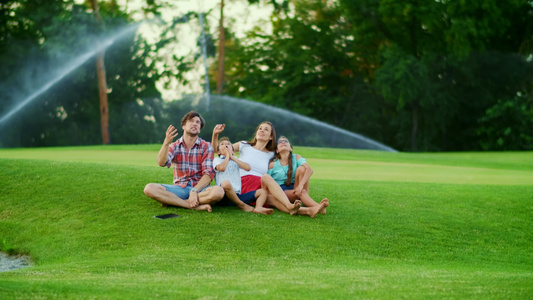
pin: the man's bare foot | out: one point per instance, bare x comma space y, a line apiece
193, 203
295, 207
203, 207
324, 201
313, 211
246, 208
163, 205
263, 211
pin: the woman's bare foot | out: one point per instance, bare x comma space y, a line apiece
313, 211
203, 207
263, 211
295, 207
324, 201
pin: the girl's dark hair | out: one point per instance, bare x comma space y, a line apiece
272, 144
277, 156
289, 171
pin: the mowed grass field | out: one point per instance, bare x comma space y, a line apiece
399, 225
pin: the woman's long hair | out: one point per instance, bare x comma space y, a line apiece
273, 143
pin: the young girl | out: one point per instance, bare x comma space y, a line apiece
292, 173
257, 153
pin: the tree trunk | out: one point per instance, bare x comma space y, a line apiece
221, 54
102, 86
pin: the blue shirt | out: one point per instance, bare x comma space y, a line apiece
279, 172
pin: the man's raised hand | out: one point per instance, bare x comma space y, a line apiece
171, 134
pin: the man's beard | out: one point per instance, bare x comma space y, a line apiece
188, 133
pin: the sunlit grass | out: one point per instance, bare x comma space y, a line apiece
400, 225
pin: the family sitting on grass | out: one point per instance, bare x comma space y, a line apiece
266, 174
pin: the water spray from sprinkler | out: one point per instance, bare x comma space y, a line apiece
69, 67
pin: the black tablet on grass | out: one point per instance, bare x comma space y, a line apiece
166, 216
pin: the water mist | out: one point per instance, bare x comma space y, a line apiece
242, 117
67, 68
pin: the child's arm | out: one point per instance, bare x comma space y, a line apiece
301, 182
223, 165
214, 138
241, 163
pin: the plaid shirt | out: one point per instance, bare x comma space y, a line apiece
189, 166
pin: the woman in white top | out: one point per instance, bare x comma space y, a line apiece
257, 153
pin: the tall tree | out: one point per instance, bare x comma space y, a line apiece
102, 85
67, 113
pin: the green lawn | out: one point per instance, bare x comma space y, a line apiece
400, 225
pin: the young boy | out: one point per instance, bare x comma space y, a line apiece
227, 176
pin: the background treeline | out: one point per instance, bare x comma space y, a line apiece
415, 75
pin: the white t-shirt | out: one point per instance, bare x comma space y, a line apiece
258, 160
231, 173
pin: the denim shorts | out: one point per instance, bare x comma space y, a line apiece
181, 192
287, 187
248, 198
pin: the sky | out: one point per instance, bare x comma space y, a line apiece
246, 17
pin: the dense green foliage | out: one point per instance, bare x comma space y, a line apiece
414, 75
414, 225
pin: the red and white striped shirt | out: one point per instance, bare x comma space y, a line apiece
190, 164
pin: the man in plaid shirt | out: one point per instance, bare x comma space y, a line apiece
192, 160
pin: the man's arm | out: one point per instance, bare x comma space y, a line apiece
193, 194
203, 182
171, 133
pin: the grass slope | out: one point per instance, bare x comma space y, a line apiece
445, 225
